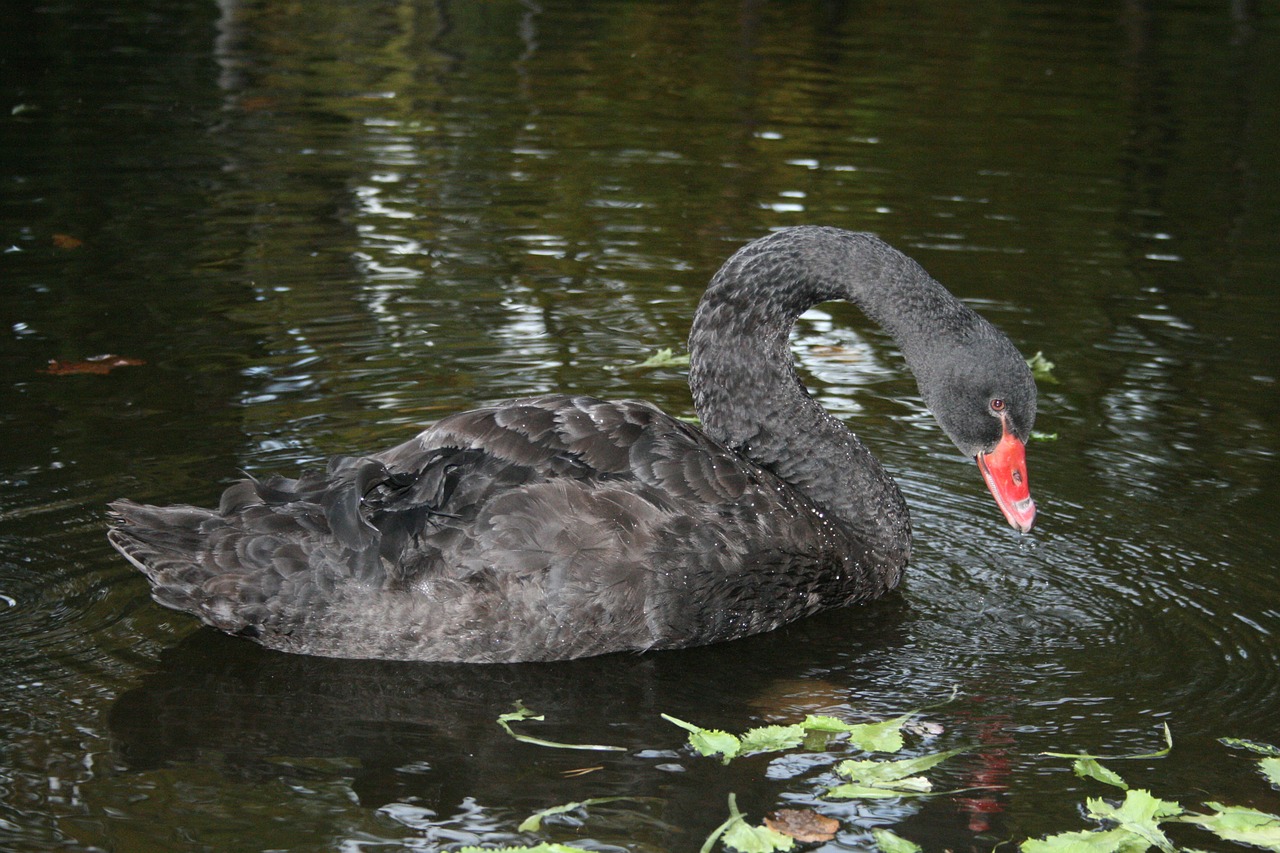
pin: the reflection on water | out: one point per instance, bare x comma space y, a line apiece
321, 226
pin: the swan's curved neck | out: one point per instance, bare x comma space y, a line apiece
743, 377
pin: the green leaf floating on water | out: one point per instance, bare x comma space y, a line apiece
878, 779
1251, 745
709, 742
1137, 828
1089, 768
545, 847
1241, 825
772, 738
665, 358
1140, 813
1269, 767
871, 737
1041, 367
756, 839
533, 823
742, 836
1161, 753
889, 842
1108, 841
522, 713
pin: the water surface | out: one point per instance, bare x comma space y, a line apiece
320, 227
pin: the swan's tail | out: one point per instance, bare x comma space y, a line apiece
166, 545
271, 552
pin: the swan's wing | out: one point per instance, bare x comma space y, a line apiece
558, 505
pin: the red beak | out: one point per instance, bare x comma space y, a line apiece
1005, 471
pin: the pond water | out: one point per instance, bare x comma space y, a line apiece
314, 228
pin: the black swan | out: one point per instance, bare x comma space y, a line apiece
558, 527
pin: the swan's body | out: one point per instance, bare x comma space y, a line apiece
559, 527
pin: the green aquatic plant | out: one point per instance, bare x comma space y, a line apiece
1159, 753
739, 835
1042, 368
1239, 824
891, 842
1134, 825
533, 823
1089, 768
666, 358
1269, 767
878, 779
885, 736
545, 847
522, 713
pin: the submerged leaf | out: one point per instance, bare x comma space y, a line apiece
1240, 824
1251, 745
1089, 768
890, 842
523, 713
94, 364
533, 823
859, 791
1041, 367
665, 358
1160, 753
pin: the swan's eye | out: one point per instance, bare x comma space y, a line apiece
997, 405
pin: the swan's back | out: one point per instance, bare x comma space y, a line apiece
539, 529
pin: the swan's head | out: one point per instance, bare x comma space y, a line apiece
984, 397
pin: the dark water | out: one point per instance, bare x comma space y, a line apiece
323, 225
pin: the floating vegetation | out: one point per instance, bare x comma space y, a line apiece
540, 848
742, 836
1042, 368
533, 823
1137, 827
891, 842
876, 779
523, 713
666, 358
1137, 822
1241, 825
1269, 767
870, 737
